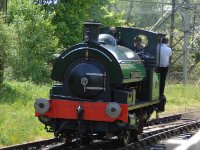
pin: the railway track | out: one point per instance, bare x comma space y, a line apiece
33, 145
155, 130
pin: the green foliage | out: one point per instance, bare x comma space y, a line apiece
33, 52
70, 15
101, 11
197, 57
4, 42
68, 19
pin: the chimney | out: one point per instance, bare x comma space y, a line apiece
91, 32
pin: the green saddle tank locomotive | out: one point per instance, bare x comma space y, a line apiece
105, 86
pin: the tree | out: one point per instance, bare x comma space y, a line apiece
70, 16
3, 7
36, 43
3, 46
41, 28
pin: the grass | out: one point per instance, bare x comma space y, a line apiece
18, 124
182, 98
17, 121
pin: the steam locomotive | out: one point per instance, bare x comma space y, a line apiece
105, 86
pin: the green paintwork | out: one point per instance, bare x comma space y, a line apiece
120, 68
133, 71
155, 86
131, 65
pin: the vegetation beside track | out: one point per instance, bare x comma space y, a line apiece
182, 98
17, 121
18, 124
